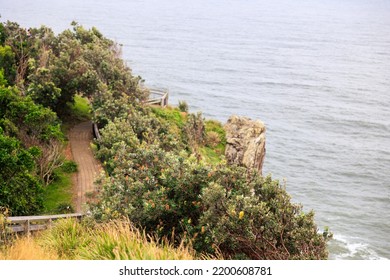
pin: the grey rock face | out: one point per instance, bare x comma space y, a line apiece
245, 142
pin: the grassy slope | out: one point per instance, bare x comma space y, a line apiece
59, 193
214, 152
211, 153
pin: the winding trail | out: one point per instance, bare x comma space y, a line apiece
80, 137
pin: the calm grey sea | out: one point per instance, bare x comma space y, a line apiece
317, 72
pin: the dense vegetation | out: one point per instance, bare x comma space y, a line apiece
165, 169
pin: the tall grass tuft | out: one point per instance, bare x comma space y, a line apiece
120, 240
65, 238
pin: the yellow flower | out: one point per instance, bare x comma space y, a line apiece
241, 215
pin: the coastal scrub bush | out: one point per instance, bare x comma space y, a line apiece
172, 193
262, 225
183, 106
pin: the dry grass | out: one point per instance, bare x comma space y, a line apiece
115, 240
26, 249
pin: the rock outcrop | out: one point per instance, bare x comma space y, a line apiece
245, 142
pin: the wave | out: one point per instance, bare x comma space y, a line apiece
344, 247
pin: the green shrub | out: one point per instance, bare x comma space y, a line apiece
265, 225
183, 106
69, 166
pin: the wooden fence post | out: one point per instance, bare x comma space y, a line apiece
27, 227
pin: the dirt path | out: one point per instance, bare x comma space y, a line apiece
80, 137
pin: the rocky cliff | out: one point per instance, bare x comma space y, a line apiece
245, 142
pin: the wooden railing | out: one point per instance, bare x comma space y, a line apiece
33, 223
158, 97
95, 131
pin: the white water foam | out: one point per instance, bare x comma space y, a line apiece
352, 248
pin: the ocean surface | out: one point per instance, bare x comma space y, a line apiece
316, 72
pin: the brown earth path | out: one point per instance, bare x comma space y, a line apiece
80, 137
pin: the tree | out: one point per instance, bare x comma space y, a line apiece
17, 39
20, 191
42, 89
53, 69
34, 126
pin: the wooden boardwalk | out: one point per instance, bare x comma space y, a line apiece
80, 138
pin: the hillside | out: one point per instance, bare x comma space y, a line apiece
164, 168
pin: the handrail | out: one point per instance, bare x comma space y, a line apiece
34, 223
95, 131
162, 100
